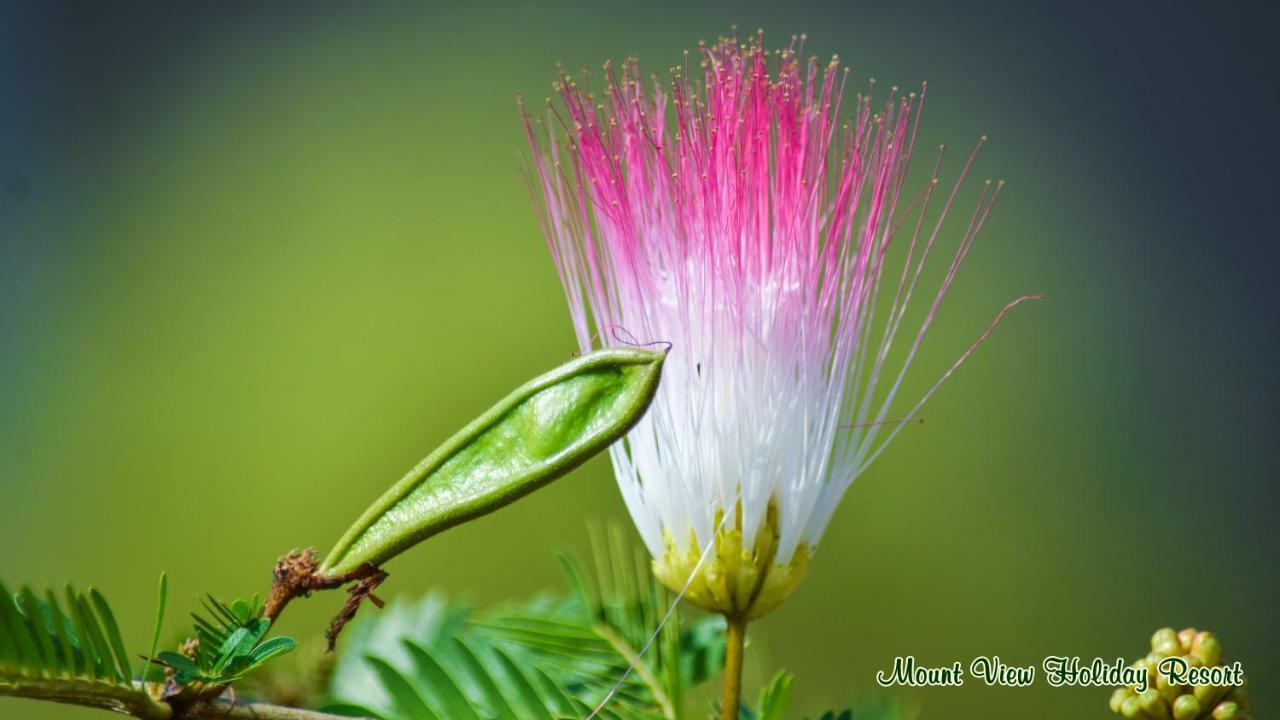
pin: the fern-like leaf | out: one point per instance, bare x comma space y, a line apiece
70, 652
774, 697
551, 657
38, 639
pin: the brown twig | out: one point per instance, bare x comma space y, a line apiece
297, 575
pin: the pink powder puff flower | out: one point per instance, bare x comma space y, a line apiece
732, 215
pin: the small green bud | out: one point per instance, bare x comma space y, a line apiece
1226, 711
1185, 637
1143, 665
1207, 648
1165, 641
1163, 699
1186, 708
1208, 694
1132, 708
1153, 704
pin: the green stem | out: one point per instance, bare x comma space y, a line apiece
735, 645
125, 699
136, 702
255, 711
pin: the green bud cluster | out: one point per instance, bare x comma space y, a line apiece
1163, 701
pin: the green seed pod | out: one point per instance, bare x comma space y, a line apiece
1165, 641
1153, 704
1207, 648
536, 434
1226, 710
1118, 697
1186, 707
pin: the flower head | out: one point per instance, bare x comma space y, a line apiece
735, 217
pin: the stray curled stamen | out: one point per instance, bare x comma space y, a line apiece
624, 336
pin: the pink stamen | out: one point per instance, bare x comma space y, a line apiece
733, 214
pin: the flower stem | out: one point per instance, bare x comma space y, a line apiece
735, 644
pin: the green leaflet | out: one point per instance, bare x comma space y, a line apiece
772, 704
536, 434
233, 643
156, 627
39, 640
73, 654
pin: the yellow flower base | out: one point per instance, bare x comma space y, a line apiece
735, 581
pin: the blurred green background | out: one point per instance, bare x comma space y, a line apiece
257, 259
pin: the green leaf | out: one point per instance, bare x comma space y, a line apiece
702, 650
239, 645
532, 704
271, 648
75, 662
449, 698
553, 654
560, 704
772, 704
406, 701
242, 611
536, 434
112, 632
72, 657
877, 707
232, 641
35, 620
90, 645
222, 613
9, 655
23, 650
579, 586
155, 629
477, 674
348, 710
179, 662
